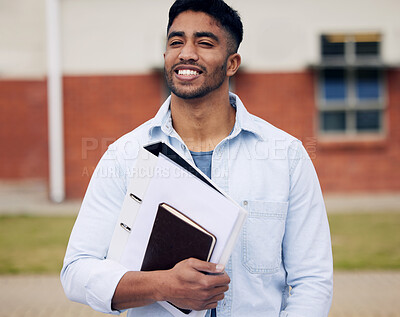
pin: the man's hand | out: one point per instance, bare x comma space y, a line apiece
190, 284
195, 284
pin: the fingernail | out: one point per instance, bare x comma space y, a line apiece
219, 267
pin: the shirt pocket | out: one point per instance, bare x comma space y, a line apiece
262, 236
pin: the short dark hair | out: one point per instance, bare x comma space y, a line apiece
219, 10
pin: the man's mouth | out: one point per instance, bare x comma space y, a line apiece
187, 72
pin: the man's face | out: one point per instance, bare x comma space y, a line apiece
195, 61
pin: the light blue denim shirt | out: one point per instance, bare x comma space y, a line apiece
282, 262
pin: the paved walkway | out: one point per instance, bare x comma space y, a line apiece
30, 197
370, 294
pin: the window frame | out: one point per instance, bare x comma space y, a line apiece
350, 64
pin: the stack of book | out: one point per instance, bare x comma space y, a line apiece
171, 212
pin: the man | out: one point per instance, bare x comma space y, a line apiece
282, 263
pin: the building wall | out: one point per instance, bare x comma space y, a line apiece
111, 59
365, 165
356, 164
128, 36
284, 99
23, 129
22, 39
122, 36
98, 110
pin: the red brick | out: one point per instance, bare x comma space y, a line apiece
102, 108
288, 101
23, 129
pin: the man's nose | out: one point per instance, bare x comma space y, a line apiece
188, 52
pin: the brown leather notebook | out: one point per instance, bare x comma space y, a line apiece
174, 238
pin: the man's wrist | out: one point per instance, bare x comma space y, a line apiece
159, 286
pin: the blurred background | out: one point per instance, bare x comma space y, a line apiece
76, 75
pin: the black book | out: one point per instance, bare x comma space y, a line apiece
174, 238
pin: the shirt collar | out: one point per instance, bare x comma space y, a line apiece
244, 120
163, 118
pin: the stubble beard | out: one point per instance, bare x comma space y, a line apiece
213, 81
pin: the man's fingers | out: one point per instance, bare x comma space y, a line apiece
218, 295
197, 284
215, 275
213, 302
206, 267
197, 304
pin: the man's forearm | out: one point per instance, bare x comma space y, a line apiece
186, 285
136, 289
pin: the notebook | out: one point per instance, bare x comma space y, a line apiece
175, 237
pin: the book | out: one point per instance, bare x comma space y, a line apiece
174, 238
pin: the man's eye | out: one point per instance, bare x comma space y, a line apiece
174, 43
208, 44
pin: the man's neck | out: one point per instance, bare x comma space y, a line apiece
204, 122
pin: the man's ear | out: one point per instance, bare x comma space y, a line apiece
233, 64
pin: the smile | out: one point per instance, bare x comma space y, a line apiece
187, 72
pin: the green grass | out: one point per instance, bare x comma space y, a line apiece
366, 241
32, 245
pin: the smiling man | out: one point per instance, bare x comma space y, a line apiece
282, 263
199, 60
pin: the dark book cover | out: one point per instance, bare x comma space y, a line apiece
174, 238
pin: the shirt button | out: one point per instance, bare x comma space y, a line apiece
245, 203
183, 147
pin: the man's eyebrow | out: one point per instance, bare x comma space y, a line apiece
196, 34
207, 34
176, 33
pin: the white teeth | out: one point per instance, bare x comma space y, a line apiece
187, 72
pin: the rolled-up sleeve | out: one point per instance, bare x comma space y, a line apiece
307, 252
87, 276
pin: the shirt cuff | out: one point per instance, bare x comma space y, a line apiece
101, 286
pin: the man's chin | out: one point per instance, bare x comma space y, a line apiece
189, 95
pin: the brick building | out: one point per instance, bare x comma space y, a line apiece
326, 72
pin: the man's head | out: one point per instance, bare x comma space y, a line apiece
202, 40
228, 18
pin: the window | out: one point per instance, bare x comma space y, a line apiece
351, 84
